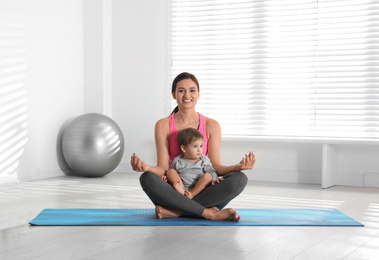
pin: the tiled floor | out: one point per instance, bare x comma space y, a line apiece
21, 202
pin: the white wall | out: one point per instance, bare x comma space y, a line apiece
141, 94
93, 55
51, 70
355, 164
281, 162
140, 85
41, 65
97, 36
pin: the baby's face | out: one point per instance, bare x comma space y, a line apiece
194, 150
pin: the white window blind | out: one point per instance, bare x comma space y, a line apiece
282, 68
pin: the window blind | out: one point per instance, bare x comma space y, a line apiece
282, 68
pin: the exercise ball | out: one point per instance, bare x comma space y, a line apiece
92, 145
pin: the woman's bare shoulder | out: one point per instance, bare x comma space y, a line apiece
211, 123
162, 124
163, 121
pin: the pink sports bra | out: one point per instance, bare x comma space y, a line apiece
174, 149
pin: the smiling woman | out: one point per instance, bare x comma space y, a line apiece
210, 202
187, 82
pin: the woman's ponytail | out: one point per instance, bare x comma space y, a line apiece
176, 109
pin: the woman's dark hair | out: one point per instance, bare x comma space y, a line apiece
188, 135
180, 77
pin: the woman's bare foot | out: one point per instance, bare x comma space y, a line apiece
188, 194
225, 214
162, 212
179, 187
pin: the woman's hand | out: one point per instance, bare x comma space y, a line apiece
138, 165
247, 163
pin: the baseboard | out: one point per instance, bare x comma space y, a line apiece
358, 179
123, 167
32, 176
355, 179
127, 167
371, 180
349, 179
286, 176
8, 179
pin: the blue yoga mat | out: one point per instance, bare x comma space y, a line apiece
146, 217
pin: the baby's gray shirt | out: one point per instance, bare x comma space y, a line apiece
191, 172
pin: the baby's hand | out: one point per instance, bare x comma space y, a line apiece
217, 181
164, 177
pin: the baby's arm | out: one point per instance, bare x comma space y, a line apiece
175, 180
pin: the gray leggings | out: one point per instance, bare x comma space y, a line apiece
163, 194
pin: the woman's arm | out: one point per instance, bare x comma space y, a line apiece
140, 166
161, 143
214, 154
162, 132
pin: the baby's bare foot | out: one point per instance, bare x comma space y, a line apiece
179, 188
188, 194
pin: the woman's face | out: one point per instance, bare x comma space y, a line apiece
186, 93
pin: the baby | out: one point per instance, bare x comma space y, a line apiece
191, 172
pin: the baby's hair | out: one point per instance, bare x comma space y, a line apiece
189, 135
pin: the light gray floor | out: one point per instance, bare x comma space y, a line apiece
21, 202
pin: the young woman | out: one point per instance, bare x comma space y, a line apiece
208, 204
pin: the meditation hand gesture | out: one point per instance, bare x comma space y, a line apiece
138, 165
247, 163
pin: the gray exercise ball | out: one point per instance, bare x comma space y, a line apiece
92, 145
